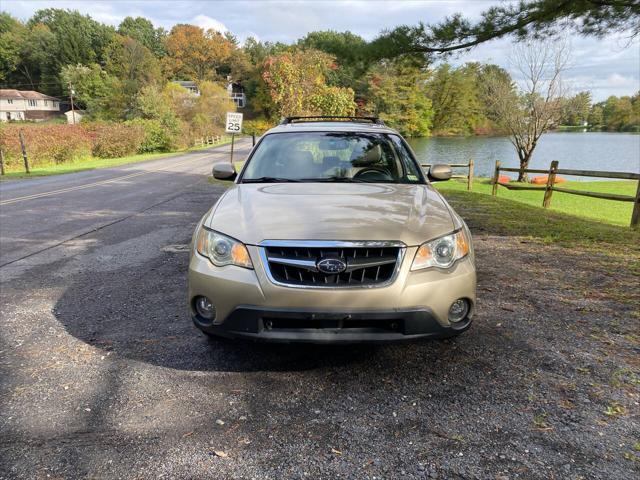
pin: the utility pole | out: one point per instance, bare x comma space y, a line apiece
73, 110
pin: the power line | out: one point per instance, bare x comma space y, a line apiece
8, 85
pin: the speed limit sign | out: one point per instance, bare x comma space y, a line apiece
234, 122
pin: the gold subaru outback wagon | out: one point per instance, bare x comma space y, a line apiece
332, 233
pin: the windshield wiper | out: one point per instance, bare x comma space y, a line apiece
268, 180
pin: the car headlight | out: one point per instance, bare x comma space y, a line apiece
442, 252
222, 250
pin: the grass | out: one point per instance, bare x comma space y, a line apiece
615, 410
96, 163
508, 214
514, 217
606, 211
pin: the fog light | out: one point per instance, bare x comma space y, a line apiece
458, 310
205, 308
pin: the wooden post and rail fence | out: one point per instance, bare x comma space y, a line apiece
208, 140
550, 187
468, 177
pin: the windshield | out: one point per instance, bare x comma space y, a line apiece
332, 157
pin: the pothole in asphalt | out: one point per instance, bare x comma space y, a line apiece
180, 248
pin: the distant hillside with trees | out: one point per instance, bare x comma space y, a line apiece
126, 73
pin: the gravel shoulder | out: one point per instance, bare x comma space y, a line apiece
103, 376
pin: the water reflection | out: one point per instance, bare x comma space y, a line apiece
592, 151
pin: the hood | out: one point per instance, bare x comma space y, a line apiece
251, 213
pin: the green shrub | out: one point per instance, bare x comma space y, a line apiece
113, 140
156, 137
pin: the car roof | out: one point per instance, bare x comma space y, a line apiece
337, 126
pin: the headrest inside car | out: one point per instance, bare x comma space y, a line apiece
370, 157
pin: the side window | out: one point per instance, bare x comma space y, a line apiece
413, 173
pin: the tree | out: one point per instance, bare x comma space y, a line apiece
151, 103
397, 93
488, 73
456, 103
143, 31
297, 84
195, 54
527, 114
349, 51
617, 113
72, 39
12, 33
36, 65
99, 92
24, 53
524, 19
208, 112
595, 116
132, 63
259, 51
175, 108
255, 87
575, 110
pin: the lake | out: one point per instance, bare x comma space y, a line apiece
618, 152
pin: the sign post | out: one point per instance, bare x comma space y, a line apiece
233, 126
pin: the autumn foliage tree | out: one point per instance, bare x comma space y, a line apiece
397, 93
297, 84
194, 53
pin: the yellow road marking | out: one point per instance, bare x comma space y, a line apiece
101, 182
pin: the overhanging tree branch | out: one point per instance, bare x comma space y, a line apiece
528, 18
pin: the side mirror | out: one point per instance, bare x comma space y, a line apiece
224, 171
440, 172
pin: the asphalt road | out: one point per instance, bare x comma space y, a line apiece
44, 212
103, 376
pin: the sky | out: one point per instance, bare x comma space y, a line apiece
609, 66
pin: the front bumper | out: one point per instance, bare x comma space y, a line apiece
286, 325
246, 300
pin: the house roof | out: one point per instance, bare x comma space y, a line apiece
27, 94
10, 94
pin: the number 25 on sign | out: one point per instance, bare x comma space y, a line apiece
233, 126
234, 122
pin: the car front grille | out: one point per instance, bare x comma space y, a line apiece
366, 264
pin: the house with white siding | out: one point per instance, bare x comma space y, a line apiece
18, 105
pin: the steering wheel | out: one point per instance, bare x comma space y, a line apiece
373, 174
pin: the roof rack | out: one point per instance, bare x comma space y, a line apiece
319, 118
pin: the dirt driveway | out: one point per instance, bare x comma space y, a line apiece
102, 375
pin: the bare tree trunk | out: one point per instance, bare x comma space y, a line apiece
530, 110
524, 164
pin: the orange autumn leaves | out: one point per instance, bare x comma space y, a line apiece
297, 84
195, 53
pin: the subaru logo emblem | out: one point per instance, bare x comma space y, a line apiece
331, 266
